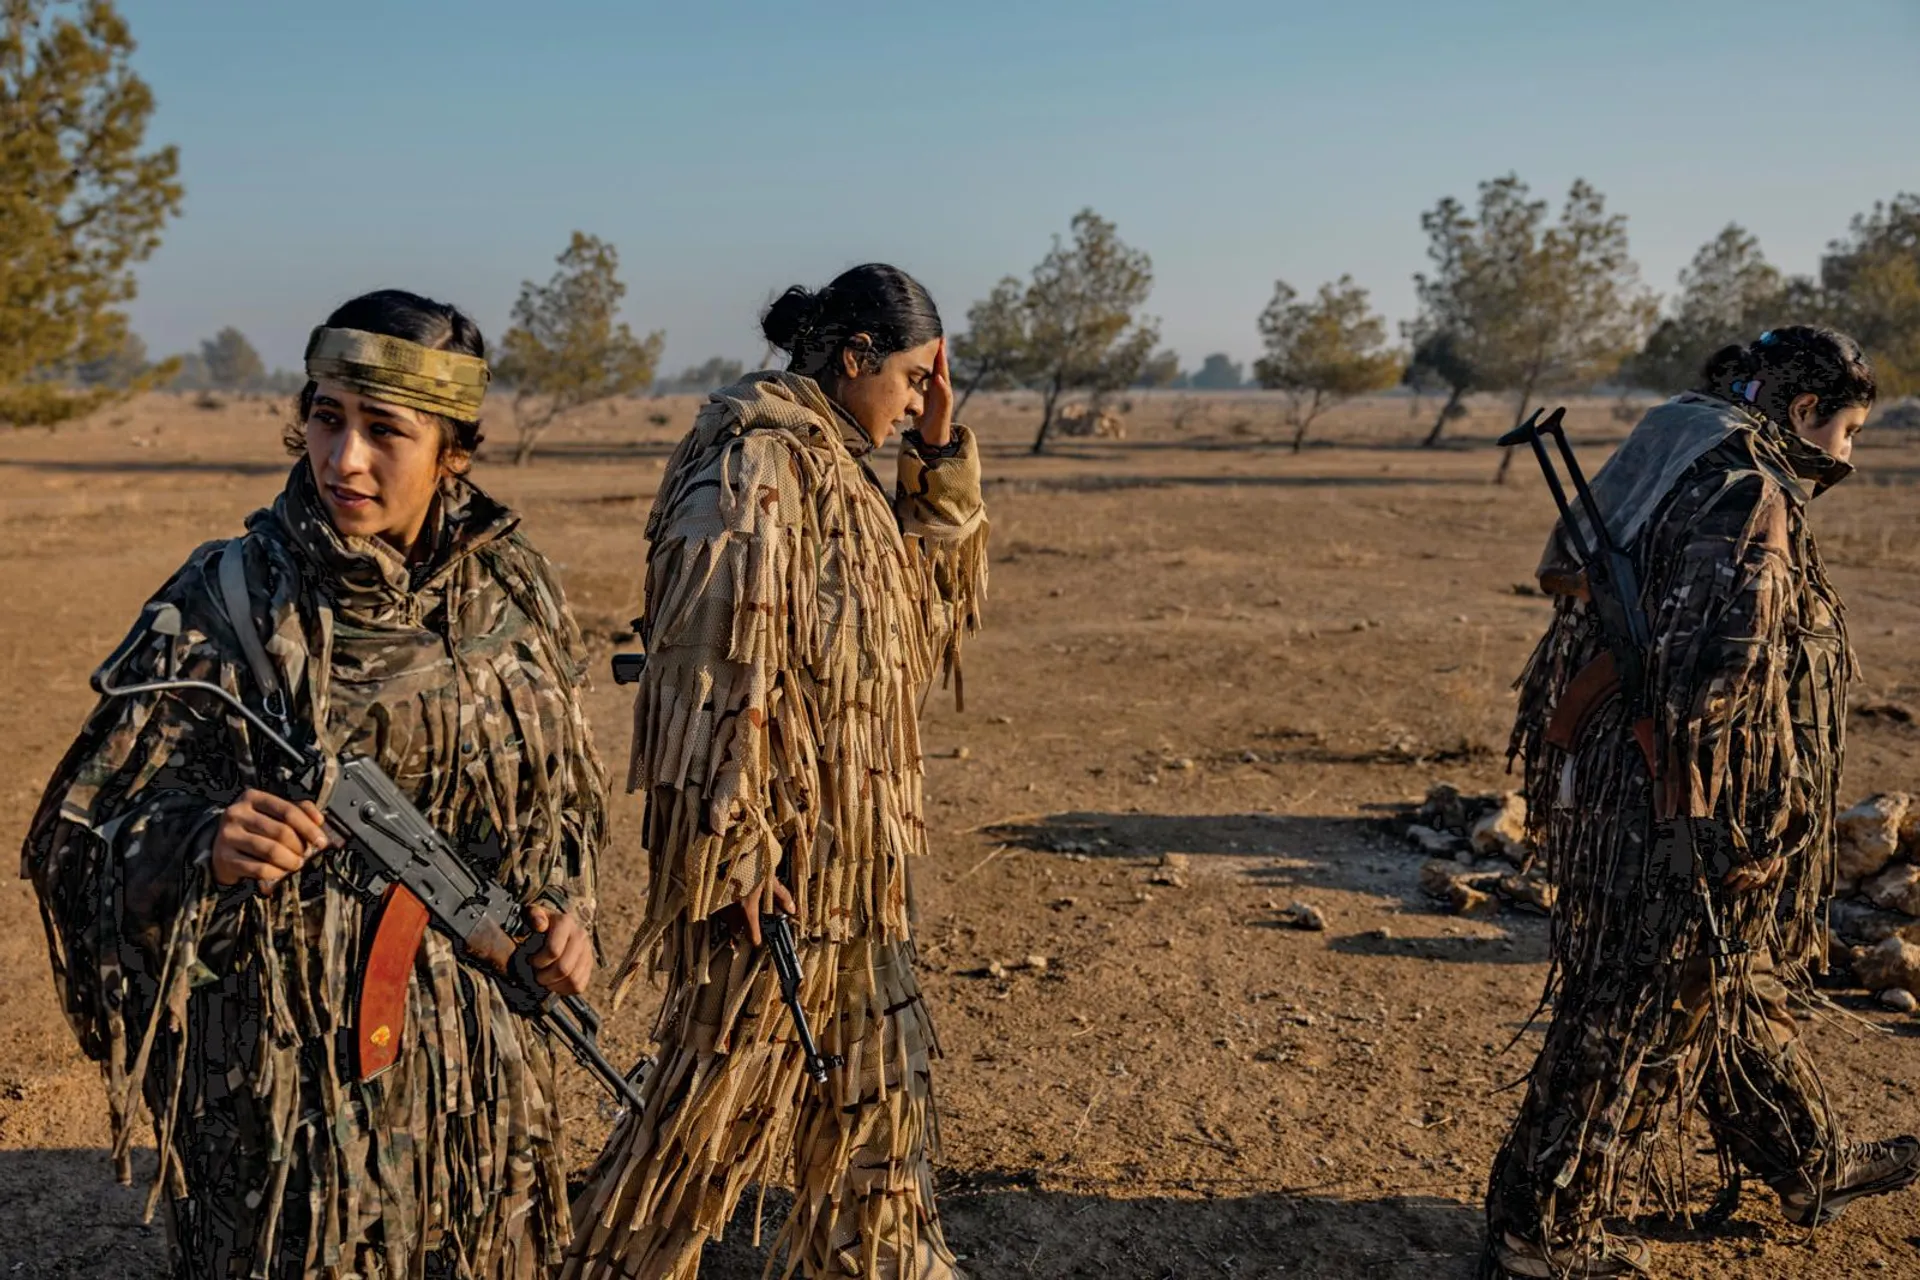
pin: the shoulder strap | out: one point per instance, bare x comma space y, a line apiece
233, 593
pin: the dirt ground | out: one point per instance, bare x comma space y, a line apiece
1199, 644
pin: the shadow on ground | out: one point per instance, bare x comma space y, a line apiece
1286, 853
63, 1217
1005, 1229
68, 1220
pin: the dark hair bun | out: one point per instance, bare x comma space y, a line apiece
1728, 363
790, 315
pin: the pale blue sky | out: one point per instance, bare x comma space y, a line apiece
732, 147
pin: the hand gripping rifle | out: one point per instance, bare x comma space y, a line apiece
391, 843
1682, 849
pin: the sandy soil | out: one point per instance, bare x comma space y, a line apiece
1199, 644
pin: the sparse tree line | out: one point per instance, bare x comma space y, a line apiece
1514, 302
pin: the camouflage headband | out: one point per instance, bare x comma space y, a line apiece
399, 372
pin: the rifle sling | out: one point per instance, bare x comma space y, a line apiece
380, 1003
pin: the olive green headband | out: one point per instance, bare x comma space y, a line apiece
399, 372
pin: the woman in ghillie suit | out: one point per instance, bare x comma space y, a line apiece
795, 616
209, 954
1694, 851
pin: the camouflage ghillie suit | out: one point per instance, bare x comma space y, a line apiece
792, 633
230, 1011
1671, 993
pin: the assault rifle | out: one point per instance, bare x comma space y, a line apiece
390, 842
1613, 588
1683, 849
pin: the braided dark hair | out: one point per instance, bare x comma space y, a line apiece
400, 314
890, 307
1781, 365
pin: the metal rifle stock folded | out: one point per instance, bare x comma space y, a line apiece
786, 966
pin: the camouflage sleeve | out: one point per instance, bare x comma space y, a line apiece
944, 518
117, 851
1719, 632
723, 737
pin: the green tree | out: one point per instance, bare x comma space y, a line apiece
232, 363
1161, 370
81, 201
120, 368
189, 373
1323, 351
1217, 373
1082, 308
714, 371
1870, 287
996, 350
1534, 306
566, 349
1729, 293
1440, 359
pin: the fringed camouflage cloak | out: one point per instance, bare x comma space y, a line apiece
1662, 997
229, 1012
795, 616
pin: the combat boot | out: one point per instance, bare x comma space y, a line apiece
1863, 1169
1598, 1257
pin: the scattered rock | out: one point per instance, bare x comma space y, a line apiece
1897, 888
1182, 763
1870, 834
1503, 831
1175, 861
999, 719
1168, 879
1469, 901
963, 753
996, 970
1036, 963
1304, 916
1862, 924
1444, 809
1436, 878
1432, 841
1530, 891
1899, 999
1085, 420
1893, 963
1061, 904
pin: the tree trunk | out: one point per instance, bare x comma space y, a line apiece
530, 433
1520, 416
1046, 415
1440, 423
1305, 420
973, 385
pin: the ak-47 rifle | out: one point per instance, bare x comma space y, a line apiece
1682, 849
390, 842
1612, 588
